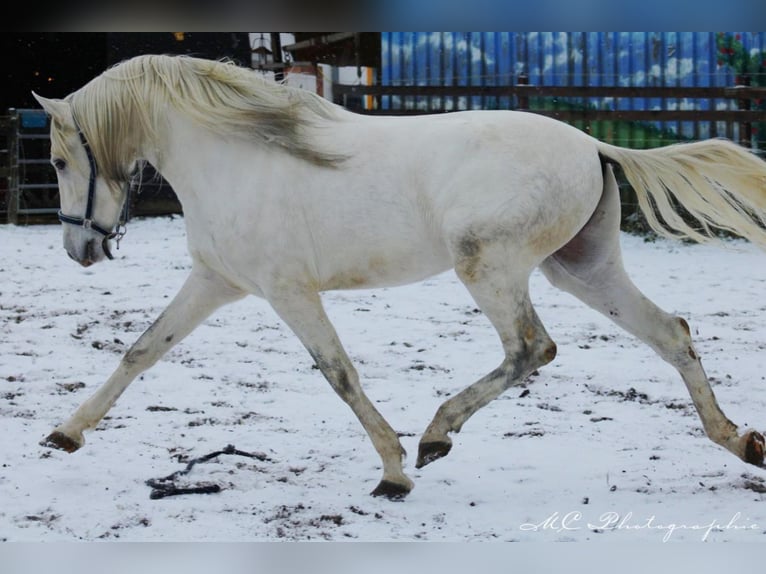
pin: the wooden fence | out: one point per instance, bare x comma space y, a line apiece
736, 113
570, 103
5, 165
729, 112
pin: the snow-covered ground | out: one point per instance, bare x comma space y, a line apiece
602, 445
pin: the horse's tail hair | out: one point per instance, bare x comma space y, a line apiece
692, 190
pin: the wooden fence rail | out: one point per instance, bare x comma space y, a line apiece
593, 109
735, 92
589, 108
434, 99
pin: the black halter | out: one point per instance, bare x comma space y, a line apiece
87, 221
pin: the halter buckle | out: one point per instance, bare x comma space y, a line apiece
118, 233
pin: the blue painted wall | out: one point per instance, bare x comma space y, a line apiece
571, 58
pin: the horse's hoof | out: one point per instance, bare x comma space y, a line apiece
754, 448
391, 490
431, 451
60, 441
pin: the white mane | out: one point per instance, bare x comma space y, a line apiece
122, 108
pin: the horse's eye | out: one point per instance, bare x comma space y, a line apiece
59, 164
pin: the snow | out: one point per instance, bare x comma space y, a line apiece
602, 445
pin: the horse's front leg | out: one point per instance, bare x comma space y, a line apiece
304, 314
203, 292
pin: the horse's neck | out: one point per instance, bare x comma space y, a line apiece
199, 164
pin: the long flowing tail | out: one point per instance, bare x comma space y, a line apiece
721, 185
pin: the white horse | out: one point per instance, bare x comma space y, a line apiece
286, 195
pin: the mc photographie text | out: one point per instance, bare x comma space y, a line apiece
560, 523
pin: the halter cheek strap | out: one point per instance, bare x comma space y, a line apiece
87, 221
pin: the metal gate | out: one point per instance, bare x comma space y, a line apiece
32, 189
29, 193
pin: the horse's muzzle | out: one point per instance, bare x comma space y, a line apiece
83, 262
92, 252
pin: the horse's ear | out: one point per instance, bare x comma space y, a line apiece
57, 109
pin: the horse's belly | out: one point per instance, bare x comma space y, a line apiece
385, 269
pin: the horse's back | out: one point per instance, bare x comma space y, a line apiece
530, 178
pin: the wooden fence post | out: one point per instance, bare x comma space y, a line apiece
13, 167
523, 99
745, 127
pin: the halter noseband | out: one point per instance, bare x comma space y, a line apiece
87, 221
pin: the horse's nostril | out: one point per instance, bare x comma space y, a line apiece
89, 254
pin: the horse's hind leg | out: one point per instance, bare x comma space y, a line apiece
502, 295
590, 267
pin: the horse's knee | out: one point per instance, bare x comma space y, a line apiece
139, 358
135, 356
341, 375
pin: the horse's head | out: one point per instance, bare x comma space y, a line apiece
90, 203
